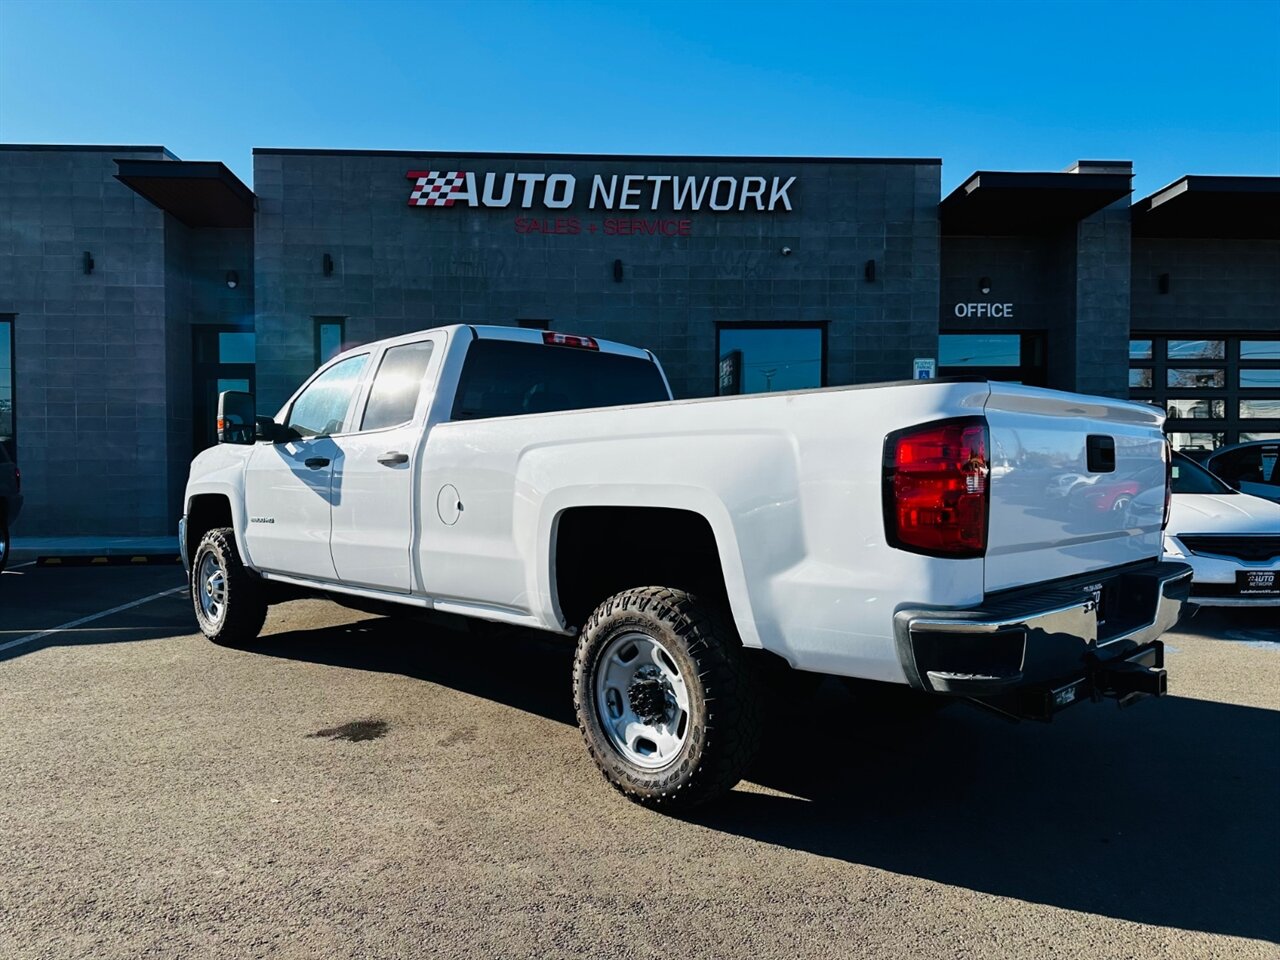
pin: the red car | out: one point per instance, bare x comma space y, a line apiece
1115, 494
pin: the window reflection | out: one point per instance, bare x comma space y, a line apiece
1199, 379
1260, 378
1139, 349
1197, 350
764, 359
1260, 409
1197, 409
979, 350
1260, 349
1196, 441
1140, 377
235, 348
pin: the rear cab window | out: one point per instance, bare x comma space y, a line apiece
507, 378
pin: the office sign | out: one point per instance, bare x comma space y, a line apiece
1001, 310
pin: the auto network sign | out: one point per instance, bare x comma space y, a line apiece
615, 193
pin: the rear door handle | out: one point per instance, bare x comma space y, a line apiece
315, 463
392, 457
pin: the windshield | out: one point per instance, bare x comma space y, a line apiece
1190, 477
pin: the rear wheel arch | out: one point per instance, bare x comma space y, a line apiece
598, 551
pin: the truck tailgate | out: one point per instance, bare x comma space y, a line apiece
1061, 504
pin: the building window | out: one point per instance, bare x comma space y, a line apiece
1010, 357
1196, 409
331, 334
1139, 349
1215, 392
8, 416
1197, 350
762, 358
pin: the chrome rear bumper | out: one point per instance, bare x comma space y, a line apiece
1043, 635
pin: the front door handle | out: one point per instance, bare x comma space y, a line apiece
315, 463
393, 457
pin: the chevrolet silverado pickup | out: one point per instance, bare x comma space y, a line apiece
695, 548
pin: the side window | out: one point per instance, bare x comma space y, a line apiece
394, 394
321, 409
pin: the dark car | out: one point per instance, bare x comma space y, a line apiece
10, 500
1252, 467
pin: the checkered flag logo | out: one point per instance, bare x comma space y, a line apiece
433, 188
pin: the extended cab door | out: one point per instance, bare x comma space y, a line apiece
288, 485
374, 517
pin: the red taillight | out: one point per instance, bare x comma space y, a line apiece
552, 339
936, 488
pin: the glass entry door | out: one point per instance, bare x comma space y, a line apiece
222, 358
1012, 357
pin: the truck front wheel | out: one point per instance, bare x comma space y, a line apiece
665, 699
229, 600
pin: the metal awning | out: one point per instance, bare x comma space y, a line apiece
1215, 207
995, 203
200, 193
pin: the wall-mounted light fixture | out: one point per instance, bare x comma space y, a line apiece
88, 262
984, 284
617, 271
869, 271
233, 279
1163, 283
785, 251
328, 265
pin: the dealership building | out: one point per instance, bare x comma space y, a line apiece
134, 286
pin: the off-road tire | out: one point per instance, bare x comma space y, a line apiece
245, 604
723, 729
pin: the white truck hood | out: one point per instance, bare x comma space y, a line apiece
1216, 513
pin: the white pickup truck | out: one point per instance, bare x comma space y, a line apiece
897, 533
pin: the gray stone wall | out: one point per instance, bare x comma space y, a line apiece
399, 268
1226, 286
1102, 302
92, 400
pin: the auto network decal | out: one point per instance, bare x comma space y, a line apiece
557, 191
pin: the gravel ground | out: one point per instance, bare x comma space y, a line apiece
366, 788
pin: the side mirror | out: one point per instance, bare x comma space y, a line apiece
236, 417
270, 431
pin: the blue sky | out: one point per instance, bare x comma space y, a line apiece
1176, 87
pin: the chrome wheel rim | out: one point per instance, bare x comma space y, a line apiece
642, 700
210, 585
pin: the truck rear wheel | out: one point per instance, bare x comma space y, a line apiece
229, 599
665, 699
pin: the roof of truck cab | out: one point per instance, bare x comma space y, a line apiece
495, 332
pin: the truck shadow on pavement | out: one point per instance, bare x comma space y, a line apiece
1167, 813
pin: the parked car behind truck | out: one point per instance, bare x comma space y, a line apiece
550, 481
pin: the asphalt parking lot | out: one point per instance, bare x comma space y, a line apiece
362, 787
